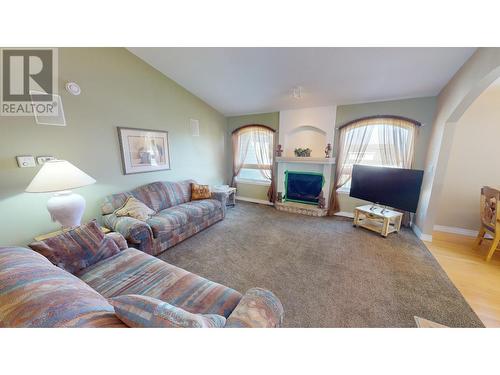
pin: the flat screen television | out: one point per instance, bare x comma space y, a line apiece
393, 187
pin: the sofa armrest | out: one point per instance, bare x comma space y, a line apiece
222, 198
259, 308
119, 240
137, 233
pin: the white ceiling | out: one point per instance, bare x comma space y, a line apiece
255, 80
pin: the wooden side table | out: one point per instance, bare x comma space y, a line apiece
377, 219
60, 231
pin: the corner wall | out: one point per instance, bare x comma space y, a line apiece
118, 89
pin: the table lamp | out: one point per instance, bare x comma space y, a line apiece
59, 177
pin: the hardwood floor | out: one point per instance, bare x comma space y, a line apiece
477, 280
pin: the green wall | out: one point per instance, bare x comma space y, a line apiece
272, 120
118, 89
420, 109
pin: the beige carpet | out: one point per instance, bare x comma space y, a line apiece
326, 272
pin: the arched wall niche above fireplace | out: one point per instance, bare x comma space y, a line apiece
307, 128
305, 136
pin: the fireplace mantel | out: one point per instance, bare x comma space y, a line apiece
305, 160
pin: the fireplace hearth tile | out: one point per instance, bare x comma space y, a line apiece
299, 208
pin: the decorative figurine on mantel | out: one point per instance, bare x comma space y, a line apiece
328, 150
321, 200
302, 152
279, 151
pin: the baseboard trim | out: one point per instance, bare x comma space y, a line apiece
456, 230
253, 200
419, 234
345, 214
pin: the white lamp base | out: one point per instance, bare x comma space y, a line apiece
66, 208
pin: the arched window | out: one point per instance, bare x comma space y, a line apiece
386, 141
253, 154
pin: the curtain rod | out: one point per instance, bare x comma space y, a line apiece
249, 125
415, 122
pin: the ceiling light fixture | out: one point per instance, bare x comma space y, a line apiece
297, 92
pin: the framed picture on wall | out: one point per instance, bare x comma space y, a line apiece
144, 150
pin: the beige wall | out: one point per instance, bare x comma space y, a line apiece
466, 85
472, 162
258, 192
118, 89
420, 109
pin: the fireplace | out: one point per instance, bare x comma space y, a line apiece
303, 187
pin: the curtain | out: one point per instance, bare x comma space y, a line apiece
240, 150
397, 141
353, 141
397, 146
262, 139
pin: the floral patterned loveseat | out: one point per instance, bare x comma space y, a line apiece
176, 218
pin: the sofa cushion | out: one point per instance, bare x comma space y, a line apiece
146, 312
191, 212
34, 293
135, 272
162, 195
157, 196
113, 202
133, 207
77, 248
200, 192
258, 308
198, 209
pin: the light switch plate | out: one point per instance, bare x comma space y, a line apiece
43, 159
26, 161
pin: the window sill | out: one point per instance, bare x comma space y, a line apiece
343, 191
252, 182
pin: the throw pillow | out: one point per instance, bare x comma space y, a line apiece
200, 192
146, 312
133, 207
77, 248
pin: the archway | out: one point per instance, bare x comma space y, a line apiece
482, 69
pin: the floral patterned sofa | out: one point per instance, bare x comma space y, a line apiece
36, 293
177, 217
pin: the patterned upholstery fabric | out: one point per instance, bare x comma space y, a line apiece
77, 248
146, 312
177, 217
114, 202
157, 196
195, 212
34, 293
200, 192
222, 198
137, 233
120, 241
166, 240
134, 272
133, 207
259, 308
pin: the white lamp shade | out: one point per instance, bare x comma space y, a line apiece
58, 175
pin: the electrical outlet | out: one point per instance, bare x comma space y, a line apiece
43, 159
26, 161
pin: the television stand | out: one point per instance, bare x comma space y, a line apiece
377, 219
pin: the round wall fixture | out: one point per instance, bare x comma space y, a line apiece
73, 88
